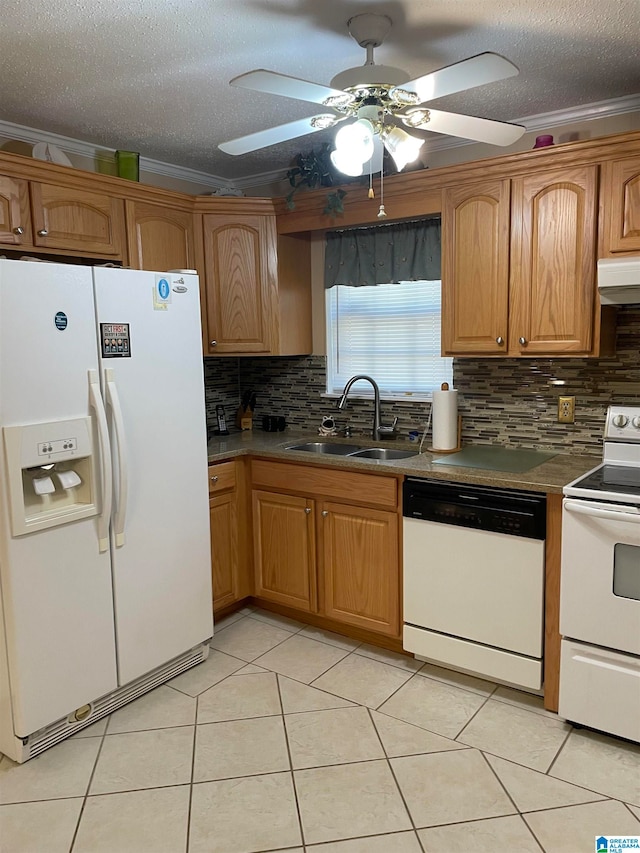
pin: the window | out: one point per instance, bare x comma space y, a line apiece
390, 332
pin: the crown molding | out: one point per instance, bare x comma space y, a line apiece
88, 149
559, 118
541, 121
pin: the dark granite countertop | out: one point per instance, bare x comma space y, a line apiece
549, 477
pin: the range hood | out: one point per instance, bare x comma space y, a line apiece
619, 280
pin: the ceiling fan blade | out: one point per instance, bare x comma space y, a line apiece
467, 74
291, 87
466, 127
281, 133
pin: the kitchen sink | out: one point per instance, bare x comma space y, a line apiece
383, 454
325, 447
380, 454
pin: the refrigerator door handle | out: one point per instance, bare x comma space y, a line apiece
121, 505
105, 460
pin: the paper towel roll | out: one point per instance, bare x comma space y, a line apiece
445, 419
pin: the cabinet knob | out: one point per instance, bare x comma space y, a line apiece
307, 509
213, 343
499, 340
42, 232
325, 513
18, 230
214, 479
522, 341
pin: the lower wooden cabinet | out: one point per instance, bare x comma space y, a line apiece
230, 567
327, 542
284, 549
359, 567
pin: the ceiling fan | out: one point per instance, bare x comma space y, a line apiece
378, 98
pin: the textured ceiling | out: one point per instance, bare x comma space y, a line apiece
152, 75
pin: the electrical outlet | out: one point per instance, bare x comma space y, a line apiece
566, 410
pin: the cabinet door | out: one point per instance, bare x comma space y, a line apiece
621, 205
475, 268
553, 256
76, 219
240, 258
284, 549
159, 238
224, 549
15, 222
360, 567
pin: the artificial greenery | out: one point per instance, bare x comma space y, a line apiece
315, 170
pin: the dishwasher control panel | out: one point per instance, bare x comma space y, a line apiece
509, 511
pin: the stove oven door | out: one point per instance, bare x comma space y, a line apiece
600, 576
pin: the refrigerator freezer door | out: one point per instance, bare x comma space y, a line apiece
161, 553
56, 591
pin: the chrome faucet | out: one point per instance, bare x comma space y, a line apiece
379, 430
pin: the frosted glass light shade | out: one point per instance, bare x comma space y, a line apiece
346, 163
354, 146
403, 147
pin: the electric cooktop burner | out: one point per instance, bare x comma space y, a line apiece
618, 477
612, 478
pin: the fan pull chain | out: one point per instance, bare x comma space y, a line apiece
371, 192
382, 213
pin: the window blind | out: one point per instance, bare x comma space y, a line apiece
390, 332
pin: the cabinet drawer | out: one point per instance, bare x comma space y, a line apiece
222, 476
369, 489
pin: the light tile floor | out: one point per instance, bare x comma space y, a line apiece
291, 738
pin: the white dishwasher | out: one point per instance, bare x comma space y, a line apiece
474, 579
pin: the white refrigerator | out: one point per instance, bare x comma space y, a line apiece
105, 567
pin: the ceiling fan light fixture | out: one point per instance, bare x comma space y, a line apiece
354, 146
416, 118
338, 102
404, 98
323, 122
403, 147
347, 163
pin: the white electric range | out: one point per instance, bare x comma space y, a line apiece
600, 586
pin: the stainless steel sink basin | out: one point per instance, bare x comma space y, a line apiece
383, 454
377, 454
325, 447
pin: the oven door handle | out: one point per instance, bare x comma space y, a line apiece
610, 514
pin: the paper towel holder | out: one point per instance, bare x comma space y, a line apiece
458, 447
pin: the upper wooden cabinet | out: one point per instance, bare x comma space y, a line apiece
76, 219
240, 264
620, 206
257, 292
475, 268
15, 219
518, 273
158, 237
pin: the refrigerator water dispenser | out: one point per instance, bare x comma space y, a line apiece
51, 474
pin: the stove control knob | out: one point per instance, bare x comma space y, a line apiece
636, 423
620, 420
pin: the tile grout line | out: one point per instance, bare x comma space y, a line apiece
472, 717
193, 764
560, 749
86, 793
293, 778
393, 776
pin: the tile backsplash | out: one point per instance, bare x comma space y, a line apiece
510, 402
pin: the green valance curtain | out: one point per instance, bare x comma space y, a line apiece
383, 254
